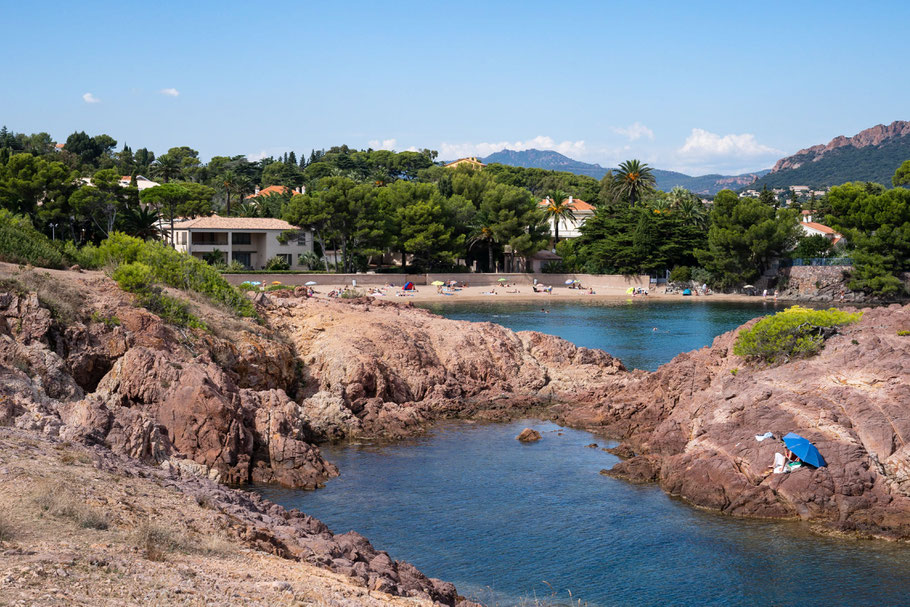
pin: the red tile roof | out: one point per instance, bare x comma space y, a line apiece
272, 189
235, 223
820, 227
577, 204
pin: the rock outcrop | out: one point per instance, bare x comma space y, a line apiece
402, 367
528, 435
691, 426
120, 377
869, 137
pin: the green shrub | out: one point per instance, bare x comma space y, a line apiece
701, 276
170, 309
22, 243
139, 278
277, 263
134, 277
793, 333
172, 268
681, 274
116, 249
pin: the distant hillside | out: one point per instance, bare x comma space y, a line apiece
545, 159
871, 155
666, 180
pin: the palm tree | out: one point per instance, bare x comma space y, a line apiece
248, 208
693, 211
226, 182
558, 210
242, 185
633, 179
483, 234
140, 221
167, 167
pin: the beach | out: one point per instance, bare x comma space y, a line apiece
525, 293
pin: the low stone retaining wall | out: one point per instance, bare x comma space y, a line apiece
816, 283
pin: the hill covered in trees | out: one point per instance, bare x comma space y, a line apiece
666, 180
870, 155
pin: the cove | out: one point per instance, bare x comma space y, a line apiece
510, 523
623, 328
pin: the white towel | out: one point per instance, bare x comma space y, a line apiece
761, 437
780, 463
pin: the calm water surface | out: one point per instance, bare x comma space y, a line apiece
624, 329
510, 523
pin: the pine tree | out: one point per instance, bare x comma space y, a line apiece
291, 159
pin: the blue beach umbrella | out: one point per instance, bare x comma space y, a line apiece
804, 450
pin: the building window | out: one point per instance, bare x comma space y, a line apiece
241, 238
287, 257
208, 238
243, 258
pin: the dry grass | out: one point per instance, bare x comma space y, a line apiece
154, 540
55, 500
7, 529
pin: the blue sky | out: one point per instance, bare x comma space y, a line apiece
695, 86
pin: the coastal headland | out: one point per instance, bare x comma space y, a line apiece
249, 401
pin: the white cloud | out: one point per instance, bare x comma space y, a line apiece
385, 144
634, 131
89, 98
704, 144
573, 149
170, 92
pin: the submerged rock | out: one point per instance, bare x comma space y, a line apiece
528, 435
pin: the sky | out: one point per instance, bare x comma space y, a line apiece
697, 87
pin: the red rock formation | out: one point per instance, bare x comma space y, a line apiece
871, 136
691, 426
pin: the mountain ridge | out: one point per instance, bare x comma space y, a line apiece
666, 180
873, 154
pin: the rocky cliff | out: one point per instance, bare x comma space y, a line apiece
870, 137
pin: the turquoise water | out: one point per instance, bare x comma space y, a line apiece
643, 334
510, 523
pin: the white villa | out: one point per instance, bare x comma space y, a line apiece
811, 228
143, 183
250, 240
567, 227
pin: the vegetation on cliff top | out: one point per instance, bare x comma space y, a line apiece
166, 266
796, 332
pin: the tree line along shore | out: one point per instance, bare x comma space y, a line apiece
386, 211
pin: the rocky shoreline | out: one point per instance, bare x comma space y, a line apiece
250, 402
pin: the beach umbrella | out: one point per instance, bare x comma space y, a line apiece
276, 282
748, 286
255, 283
437, 283
804, 450
309, 283
568, 282
503, 279
630, 290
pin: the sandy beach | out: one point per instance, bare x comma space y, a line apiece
524, 293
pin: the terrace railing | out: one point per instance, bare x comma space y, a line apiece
816, 261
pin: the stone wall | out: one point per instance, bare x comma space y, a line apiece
816, 283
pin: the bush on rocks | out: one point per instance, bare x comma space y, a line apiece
793, 333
